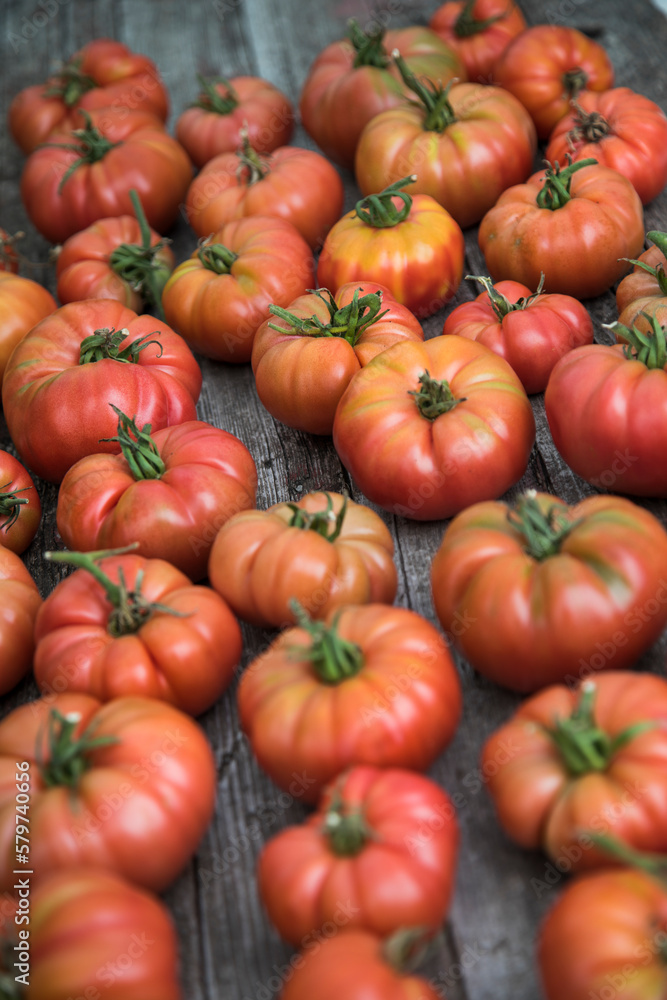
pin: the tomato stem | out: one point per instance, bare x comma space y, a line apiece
70, 84
68, 755
90, 144
252, 167
333, 658
106, 343
434, 397
500, 304
434, 98
556, 190
649, 348
652, 864
543, 532
574, 81
137, 264
217, 257
319, 520
367, 45
408, 948
345, 830
10, 505
348, 322
588, 126
467, 24
211, 99
658, 272
378, 210
138, 447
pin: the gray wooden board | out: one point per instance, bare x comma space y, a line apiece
227, 947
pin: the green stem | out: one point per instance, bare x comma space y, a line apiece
68, 756
137, 264
320, 521
379, 211
500, 304
211, 99
10, 505
543, 532
556, 190
658, 272
333, 658
70, 84
650, 348
346, 831
252, 167
654, 865
348, 322
406, 949
138, 447
574, 81
217, 257
368, 47
89, 143
106, 343
467, 24
433, 97
434, 397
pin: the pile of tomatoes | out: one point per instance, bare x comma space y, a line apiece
157, 512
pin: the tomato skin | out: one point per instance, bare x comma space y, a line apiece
338, 100
297, 723
578, 246
82, 923
640, 291
531, 339
298, 185
258, 562
23, 303
466, 166
606, 931
430, 469
480, 50
19, 603
58, 410
546, 620
300, 379
219, 314
14, 479
123, 80
262, 109
420, 260
402, 875
534, 68
139, 810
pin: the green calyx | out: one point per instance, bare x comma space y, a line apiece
347, 322
70, 84
252, 167
467, 24
434, 397
210, 98
324, 522
106, 343
138, 447
217, 257
588, 126
90, 145
556, 189
543, 532
137, 264
650, 348
345, 830
333, 658
368, 47
406, 949
68, 756
379, 211
10, 505
658, 272
431, 96
500, 304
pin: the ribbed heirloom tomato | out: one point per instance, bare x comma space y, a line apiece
23, 303
20, 506
478, 31
20, 601
645, 288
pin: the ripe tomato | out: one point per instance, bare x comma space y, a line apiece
372, 685
646, 287
62, 376
546, 590
20, 507
103, 74
584, 760
324, 551
353, 79
304, 356
86, 174
19, 603
548, 65
530, 330
126, 625
478, 31
428, 429
382, 839
225, 110
410, 245
575, 225
128, 786
219, 297
23, 303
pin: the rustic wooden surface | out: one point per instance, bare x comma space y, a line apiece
228, 949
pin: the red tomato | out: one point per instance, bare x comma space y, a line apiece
605, 937
291, 183
324, 551
64, 374
19, 603
170, 491
219, 297
530, 330
91, 930
382, 839
20, 507
23, 303
575, 225
548, 65
226, 110
353, 79
304, 357
103, 74
410, 245
86, 174
548, 590
372, 685
584, 760
646, 287
127, 625
428, 429
478, 31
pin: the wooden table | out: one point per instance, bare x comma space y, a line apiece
227, 947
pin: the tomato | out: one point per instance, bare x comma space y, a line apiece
225, 110
170, 491
86, 174
128, 786
219, 297
19, 603
371, 685
20, 507
324, 551
410, 245
530, 330
547, 66
103, 74
478, 31
465, 144
548, 590
304, 356
353, 79
63, 375
23, 303
584, 760
90, 930
383, 839
575, 225
427, 429
605, 937
646, 287
291, 183
607, 410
